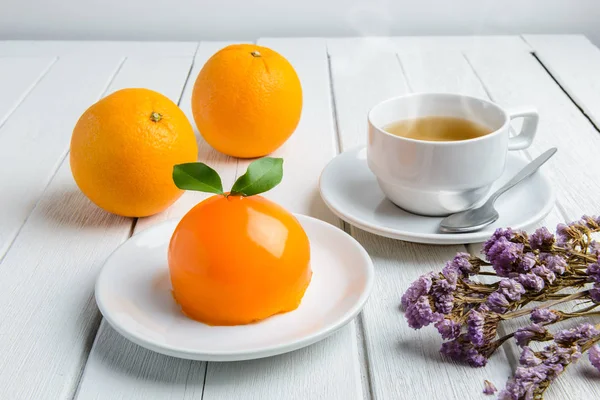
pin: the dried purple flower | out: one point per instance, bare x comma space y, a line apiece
461, 264
497, 302
529, 382
541, 239
503, 255
577, 335
531, 332
595, 293
528, 358
593, 271
544, 316
563, 234
526, 262
511, 289
461, 349
594, 248
441, 293
420, 314
499, 233
545, 273
448, 328
475, 322
531, 281
417, 289
488, 387
594, 355
475, 358
554, 354
453, 349
555, 263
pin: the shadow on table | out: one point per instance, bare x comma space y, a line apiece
71, 208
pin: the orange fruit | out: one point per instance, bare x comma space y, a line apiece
247, 100
236, 260
123, 150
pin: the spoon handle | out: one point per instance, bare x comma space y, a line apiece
524, 173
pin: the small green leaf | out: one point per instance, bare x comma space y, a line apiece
197, 176
262, 175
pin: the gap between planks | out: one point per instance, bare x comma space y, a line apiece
580, 108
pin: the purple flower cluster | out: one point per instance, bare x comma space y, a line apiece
536, 268
542, 240
554, 262
505, 256
577, 335
538, 370
418, 288
511, 289
461, 349
593, 271
595, 293
544, 316
531, 332
448, 328
594, 354
420, 313
475, 325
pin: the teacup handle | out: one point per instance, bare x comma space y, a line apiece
530, 122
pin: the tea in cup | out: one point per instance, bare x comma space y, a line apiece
436, 154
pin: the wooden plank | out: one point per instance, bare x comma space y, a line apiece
52, 48
47, 277
117, 368
18, 76
391, 344
522, 80
369, 45
574, 62
36, 137
329, 369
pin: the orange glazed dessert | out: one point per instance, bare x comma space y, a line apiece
236, 259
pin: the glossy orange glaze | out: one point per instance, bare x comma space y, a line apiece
238, 260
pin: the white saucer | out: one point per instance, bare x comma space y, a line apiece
133, 292
351, 191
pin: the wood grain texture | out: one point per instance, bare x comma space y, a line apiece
370, 45
35, 139
329, 369
402, 362
47, 277
52, 48
18, 76
574, 62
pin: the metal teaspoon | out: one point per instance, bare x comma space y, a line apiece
477, 218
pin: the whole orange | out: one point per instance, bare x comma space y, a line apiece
123, 150
236, 260
247, 100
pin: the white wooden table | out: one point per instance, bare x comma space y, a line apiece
53, 342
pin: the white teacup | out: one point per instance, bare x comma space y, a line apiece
437, 178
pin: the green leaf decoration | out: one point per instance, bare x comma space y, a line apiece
262, 175
197, 176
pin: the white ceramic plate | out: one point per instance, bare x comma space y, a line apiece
351, 191
133, 292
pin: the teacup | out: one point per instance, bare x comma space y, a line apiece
437, 178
